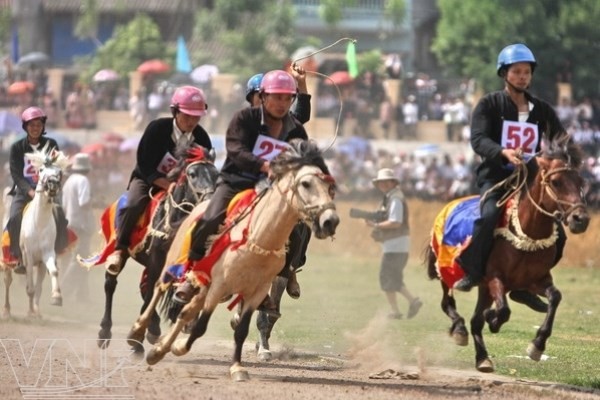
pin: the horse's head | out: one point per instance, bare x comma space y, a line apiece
49, 165
311, 187
196, 173
562, 186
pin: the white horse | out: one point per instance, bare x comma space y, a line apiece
38, 229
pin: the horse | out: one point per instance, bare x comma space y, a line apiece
193, 180
38, 230
548, 191
257, 240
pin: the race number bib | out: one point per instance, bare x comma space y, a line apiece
167, 163
267, 148
522, 135
29, 172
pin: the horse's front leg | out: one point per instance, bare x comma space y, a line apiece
154, 324
104, 334
56, 299
165, 343
39, 285
498, 316
236, 371
265, 322
482, 361
135, 337
538, 345
7, 282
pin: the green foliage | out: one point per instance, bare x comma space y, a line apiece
5, 25
395, 11
332, 11
130, 45
471, 33
251, 36
87, 22
371, 61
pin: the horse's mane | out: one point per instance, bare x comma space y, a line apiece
300, 153
185, 155
47, 157
563, 148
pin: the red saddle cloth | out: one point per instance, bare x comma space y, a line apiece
109, 227
11, 261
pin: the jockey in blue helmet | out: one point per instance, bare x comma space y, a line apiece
252, 89
512, 54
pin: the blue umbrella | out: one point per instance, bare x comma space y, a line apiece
182, 62
9, 123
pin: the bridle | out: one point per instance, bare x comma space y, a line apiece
50, 183
310, 213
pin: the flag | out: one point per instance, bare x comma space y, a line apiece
351, 60
14, 48
182, 62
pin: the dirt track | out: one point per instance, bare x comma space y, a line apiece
203, 374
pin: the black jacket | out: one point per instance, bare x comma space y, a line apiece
155, 143
486, 130
241, 165
17, 162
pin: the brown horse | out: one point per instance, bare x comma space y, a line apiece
548, 191
300, 191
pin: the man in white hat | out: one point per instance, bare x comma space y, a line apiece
77, 203
393, 234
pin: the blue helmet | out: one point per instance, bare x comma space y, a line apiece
253, 85
512, 54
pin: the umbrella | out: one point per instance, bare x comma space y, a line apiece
426, 150
20, 87
339, 78
154, 67
303, 57
92, 148
65, 143
204, 73
106, 75
130, 144
9, 122
33, 58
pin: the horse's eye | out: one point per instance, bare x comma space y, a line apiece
556, 183
305, 184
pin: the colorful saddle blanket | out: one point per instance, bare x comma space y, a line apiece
201, 270
451, 235
109, 224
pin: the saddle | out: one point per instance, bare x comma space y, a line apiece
452, 232
109, 224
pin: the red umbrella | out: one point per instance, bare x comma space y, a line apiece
92, 148
20, 87
154, 67
340, 78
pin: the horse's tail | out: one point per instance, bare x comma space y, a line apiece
429, 258
169, 309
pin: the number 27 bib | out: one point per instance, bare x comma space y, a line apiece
267, 148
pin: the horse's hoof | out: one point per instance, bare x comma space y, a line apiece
154, 356
56, 301
137, 347
239, 374
135, 338
460, 339
534, 353
104, 336
265, 355
485, 366
152, 338
179, 347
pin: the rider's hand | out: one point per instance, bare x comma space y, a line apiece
299, 75
513, 156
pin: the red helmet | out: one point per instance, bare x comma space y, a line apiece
189, 100
33, 113
278, 81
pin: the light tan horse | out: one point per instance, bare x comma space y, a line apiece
301, 191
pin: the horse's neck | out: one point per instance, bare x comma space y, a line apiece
40, 206
533, 222
273, 219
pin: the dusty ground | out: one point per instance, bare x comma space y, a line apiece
65, 362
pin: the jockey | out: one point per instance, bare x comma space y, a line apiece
155, 157
302, 114
504, 125
270, 122
302, 109
25, 180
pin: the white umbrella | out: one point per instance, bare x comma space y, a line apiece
106, 75
33, 58
204, 73
306, 54
129, 144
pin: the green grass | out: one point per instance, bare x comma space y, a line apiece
342, 313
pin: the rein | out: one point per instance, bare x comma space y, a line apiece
309, 213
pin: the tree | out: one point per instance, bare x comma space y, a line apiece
128, 47
471, 33
251, 35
